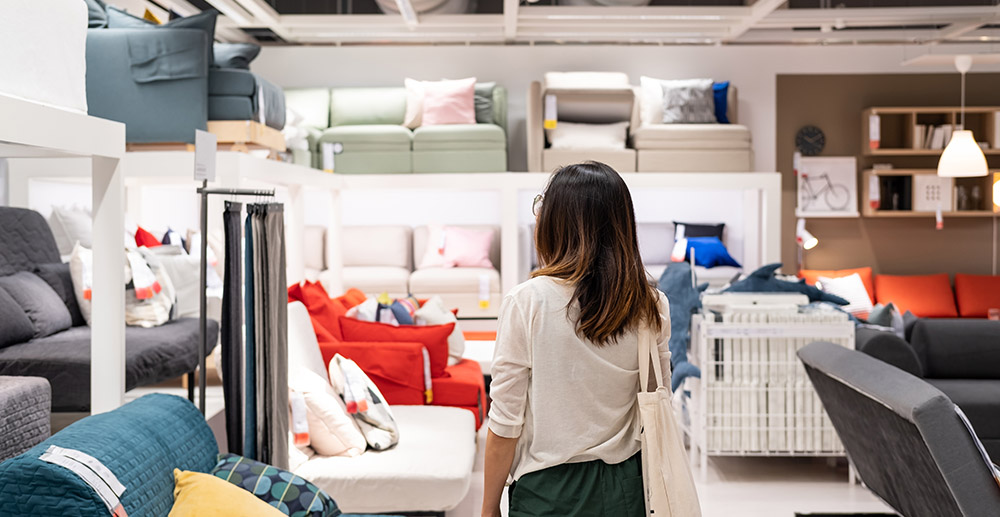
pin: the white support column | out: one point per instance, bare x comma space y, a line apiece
334, 233
107, 341
509, 252
752, 215
295, 214
770, 224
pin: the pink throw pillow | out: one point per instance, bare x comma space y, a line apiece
452, 246
449, 102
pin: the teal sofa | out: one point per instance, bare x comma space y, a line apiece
366, 126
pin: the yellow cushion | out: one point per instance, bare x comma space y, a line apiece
204, 495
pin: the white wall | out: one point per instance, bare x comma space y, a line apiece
752, 69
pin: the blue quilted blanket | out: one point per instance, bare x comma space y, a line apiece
141, 443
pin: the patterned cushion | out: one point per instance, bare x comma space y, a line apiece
688, 101
289, 493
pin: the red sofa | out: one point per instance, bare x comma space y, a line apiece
396, 367
926, 296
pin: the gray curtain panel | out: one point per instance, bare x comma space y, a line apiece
270, 332
232, 327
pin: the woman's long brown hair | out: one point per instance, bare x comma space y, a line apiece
586, 235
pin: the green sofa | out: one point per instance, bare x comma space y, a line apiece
367, 123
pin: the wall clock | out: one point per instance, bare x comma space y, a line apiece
810, 140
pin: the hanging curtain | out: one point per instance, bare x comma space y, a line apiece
250, 369
232, 328
270, 324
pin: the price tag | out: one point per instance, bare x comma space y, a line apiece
484, 292
874, 193
328, 153
550, 111
205, 145
93, 473
938, 219
261, 108
874, 131
796, 163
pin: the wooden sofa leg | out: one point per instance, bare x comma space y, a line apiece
190, 383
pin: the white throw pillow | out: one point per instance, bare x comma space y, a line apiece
650, 101
81, 270
183, 272
71, 224
850, 288
570, 135
433, 312
332, 432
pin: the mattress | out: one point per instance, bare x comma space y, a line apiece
49, 65
428, 471
152, 355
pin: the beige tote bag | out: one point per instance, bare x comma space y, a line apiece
666, 473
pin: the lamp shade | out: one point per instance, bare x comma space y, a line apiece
996, 192
802, 236
962, 158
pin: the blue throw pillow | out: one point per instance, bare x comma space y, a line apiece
721, 93
279, 488
709, 252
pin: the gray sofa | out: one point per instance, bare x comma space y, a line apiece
152, 355
904, 436
960, 357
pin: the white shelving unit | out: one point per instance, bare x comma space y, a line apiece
32, 130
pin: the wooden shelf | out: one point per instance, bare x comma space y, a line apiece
918, 152
899, 135
911, 213
868, 211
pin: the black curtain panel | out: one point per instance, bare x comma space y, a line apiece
250, 369
232, 328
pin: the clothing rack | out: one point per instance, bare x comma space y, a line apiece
204, 191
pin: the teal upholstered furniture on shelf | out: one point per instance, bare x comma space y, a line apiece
367, 123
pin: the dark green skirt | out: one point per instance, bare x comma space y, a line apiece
581, 489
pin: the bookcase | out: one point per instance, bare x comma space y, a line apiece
909, 131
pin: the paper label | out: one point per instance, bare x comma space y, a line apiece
679, 251
205, 145
93, 473
550, 111
328, 150
796, 162
938, 219
300, 423
874, 192
261, 109
484, 292
874, 131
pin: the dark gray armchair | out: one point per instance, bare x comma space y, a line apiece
907, 440
155, 81
960, 357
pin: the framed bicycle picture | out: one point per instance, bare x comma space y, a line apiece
827, 186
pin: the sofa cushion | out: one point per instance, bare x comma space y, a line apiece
464, 387
58, 277
957, 349
484, 102
421, 234
235, 55
393, 250
812, 275
926, 296
977, 294
979, 400
323, 310
430, 468
229, 81
203, 21
436, 280
458, 137
691, 136
45, 309
370, 138
15, 327
312, 104
367, 106
196, 493
97, 14
152, 355
433, 337
27, 241
377, 279
288, 492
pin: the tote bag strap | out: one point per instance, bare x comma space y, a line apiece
648, 354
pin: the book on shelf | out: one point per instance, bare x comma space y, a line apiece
947, 135
937, 138
919, 135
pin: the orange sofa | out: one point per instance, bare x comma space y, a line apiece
926, 296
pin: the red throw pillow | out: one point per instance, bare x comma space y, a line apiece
811, 276
323, 310
926, 296
977, 294
434, 337
144, 238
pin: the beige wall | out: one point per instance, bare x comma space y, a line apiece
890, 245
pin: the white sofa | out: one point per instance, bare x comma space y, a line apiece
429, 470
380, 259
607, 97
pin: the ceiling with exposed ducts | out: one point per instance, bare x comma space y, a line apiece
657, 22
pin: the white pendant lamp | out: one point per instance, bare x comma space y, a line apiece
963, 157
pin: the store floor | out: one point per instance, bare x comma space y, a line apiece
744, 487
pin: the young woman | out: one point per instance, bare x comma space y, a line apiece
564, 419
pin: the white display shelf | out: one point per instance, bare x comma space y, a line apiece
32, 130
